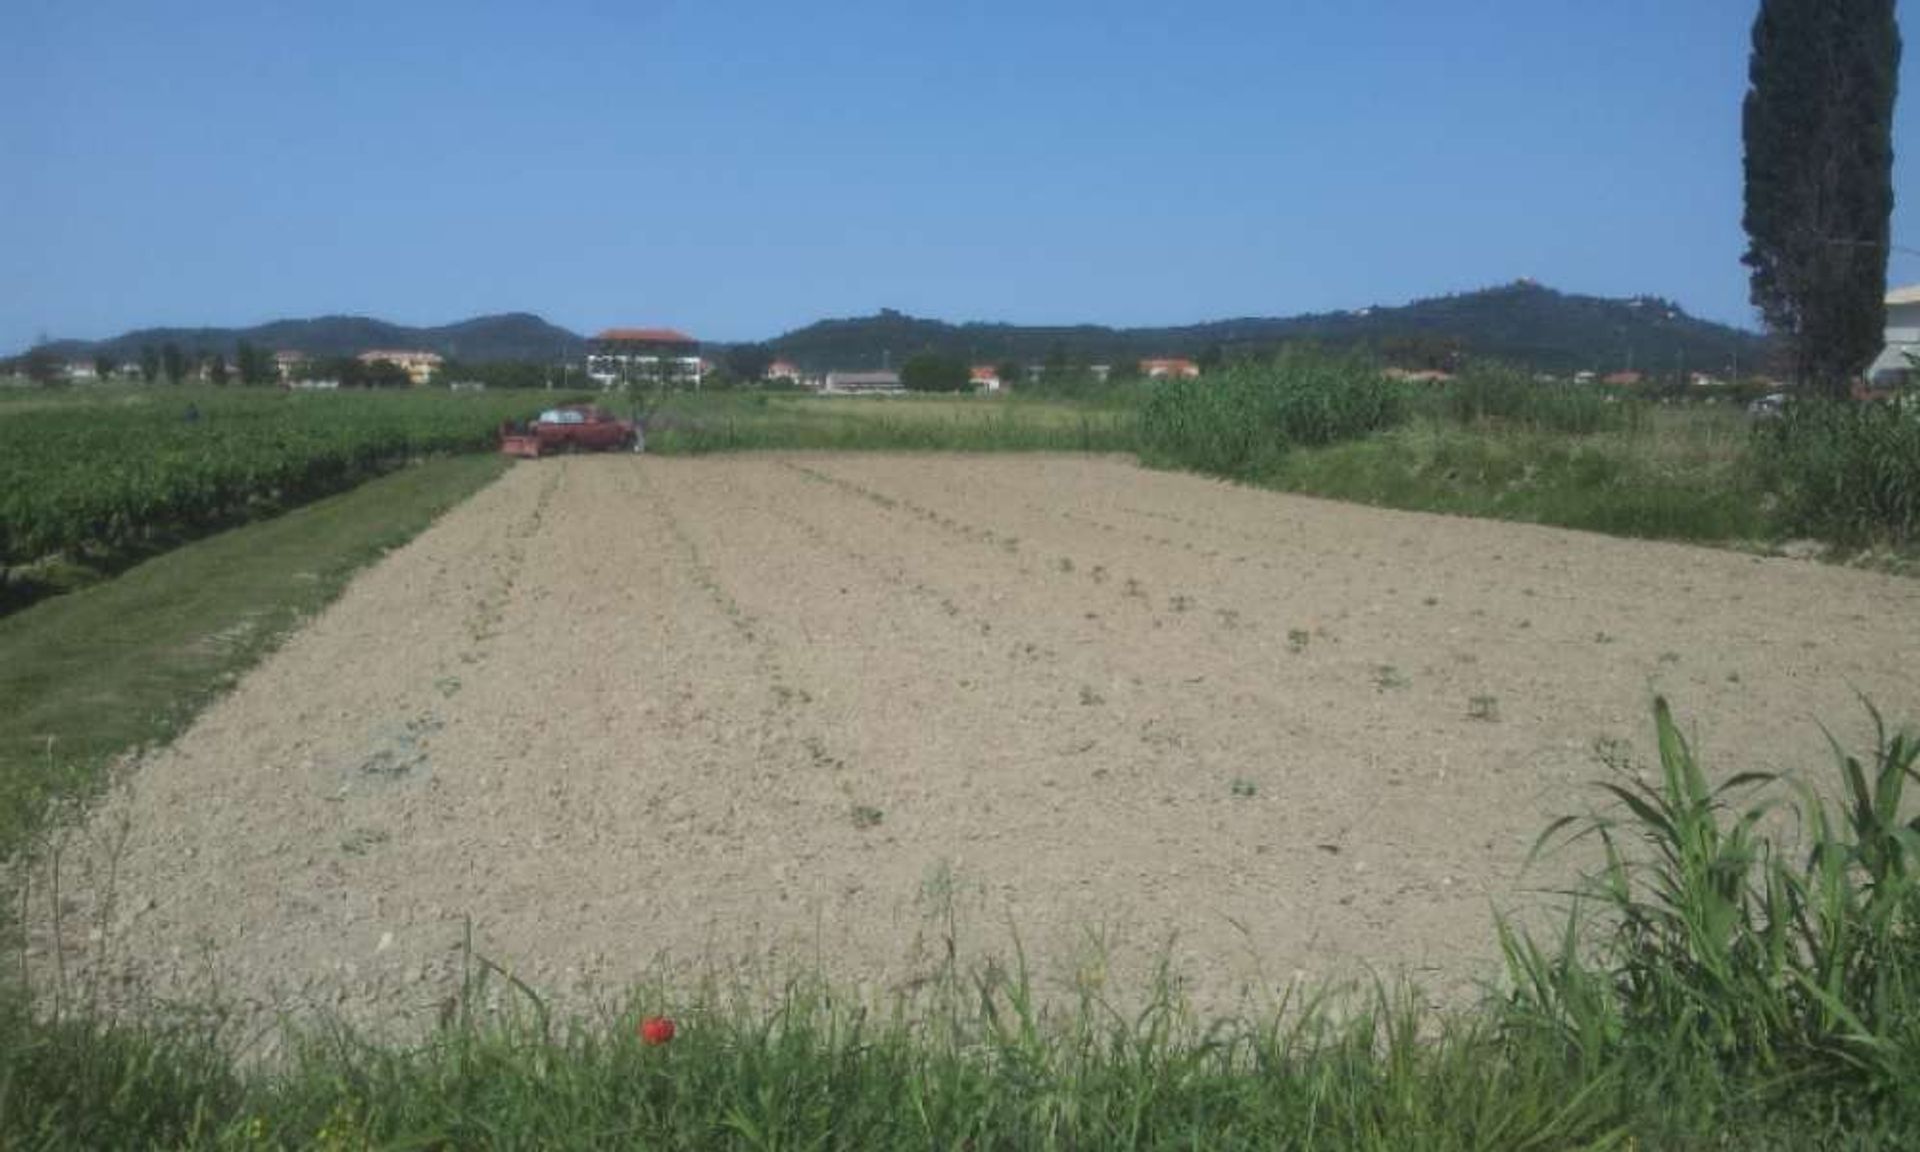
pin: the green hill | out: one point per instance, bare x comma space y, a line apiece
1522, 322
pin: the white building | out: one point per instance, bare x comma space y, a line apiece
871, 383
623, 356
1893, 368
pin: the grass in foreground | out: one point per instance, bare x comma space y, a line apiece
1714, 991
124, 663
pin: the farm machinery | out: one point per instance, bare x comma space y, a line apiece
575, 428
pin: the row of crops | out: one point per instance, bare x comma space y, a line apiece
114, 475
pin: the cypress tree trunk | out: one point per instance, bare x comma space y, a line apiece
1818, 127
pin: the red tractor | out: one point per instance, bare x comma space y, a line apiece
575, 428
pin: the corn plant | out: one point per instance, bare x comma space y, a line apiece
1710, 945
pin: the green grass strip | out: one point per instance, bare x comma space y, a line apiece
128, 662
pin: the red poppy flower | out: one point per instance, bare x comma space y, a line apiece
656, 1030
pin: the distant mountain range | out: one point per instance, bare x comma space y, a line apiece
1522, 322
508, 336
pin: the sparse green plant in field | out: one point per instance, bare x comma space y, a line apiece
1387, 678
1089, 698
1298, 639
1244, 788
866, 816
1484, 708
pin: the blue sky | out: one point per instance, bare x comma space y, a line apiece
741, 169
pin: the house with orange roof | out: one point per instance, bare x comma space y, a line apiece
985, 378
1164, 368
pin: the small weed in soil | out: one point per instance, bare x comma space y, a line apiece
1386, 677
1484, 708
1298, 639
866, 816
1244, 788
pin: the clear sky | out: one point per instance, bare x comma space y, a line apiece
741, 169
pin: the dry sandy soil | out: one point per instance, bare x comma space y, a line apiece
635, 716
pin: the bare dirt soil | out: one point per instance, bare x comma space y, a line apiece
633, 716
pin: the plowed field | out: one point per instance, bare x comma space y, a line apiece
632, 715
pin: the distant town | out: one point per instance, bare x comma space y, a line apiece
1408, 343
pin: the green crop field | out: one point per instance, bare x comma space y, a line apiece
106, 476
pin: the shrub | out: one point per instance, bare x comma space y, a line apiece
929, 372
1241, 419
1845, 472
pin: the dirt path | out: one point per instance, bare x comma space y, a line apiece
634, 715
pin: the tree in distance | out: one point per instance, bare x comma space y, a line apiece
931, 372
747, 363
41, 366
1818, 128
254, 365
173, 363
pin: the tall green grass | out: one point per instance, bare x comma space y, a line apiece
1625, 483
1845, 472
1488, 393
1241, 420
1740, 971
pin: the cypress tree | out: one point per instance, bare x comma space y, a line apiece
1818, 127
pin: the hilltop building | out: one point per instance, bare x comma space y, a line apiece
621, 356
